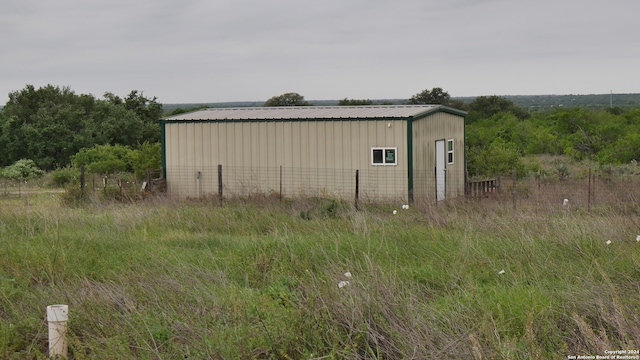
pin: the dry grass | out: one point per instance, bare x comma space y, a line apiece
512, 276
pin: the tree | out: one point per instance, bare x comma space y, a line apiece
354, 102
288, 99
23, 169
104, 159
484, 107
435, 96
147, 156
47, 125
149, 111
114, 124
498, 158
50, 124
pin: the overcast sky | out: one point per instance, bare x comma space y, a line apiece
191, 51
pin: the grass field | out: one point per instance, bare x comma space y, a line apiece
488, 279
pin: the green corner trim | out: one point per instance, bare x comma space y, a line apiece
163, 142
410, 158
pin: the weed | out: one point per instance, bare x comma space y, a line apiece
466, 278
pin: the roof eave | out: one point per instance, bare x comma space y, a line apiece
441, 108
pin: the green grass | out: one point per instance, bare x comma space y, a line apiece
163, 280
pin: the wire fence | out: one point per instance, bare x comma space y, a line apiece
593, 191
10, 187
380, 184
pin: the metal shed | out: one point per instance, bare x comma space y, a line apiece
400, 153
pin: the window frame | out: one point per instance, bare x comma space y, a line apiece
384, 150
450, 152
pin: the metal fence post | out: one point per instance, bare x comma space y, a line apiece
280, 183
589, 193
357, 188
220, 184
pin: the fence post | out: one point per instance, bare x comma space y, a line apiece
589, 193
357, 188
82, 179
513, 191
280, 183
594, 189
198, 175
57, 316
220, 184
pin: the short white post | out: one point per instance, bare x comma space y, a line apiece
57, 316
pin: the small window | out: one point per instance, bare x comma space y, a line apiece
384, 156
449, 151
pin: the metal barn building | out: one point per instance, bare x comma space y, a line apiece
399, 153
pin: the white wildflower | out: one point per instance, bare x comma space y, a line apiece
342, 284
501, 272
395, 212
608, 242
347, 274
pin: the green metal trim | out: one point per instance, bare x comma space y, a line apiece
441, 108
163, 144
410, 159
464, 148
192, 121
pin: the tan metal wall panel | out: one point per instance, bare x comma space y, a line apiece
315, 155
439, 126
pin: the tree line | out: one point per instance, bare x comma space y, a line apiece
51, 124
54, 128
501, 134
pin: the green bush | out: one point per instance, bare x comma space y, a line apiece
499, 158
24, 169
75, 196
147, 156
104, 159
64, 176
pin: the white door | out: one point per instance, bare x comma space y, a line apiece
440, 170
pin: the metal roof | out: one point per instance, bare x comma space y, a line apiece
314, 112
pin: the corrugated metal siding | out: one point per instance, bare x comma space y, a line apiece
303, 146
439, 126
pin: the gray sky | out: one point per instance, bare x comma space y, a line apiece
242, 50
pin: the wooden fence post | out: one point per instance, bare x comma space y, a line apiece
82, 186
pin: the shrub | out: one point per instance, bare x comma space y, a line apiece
499, 158
75, 196
64, 176
104, 159
147, 156
24, 169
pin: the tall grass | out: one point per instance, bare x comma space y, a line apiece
465, 279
